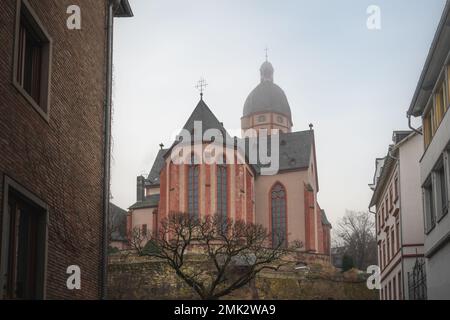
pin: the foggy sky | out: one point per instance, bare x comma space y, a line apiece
355, 85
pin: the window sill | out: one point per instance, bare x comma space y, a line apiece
31, 101
396, 212
427, 232
442, 216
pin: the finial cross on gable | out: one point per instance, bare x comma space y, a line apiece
201, 85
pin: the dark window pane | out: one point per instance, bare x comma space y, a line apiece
278, 205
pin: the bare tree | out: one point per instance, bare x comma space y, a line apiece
223, 255
356, 235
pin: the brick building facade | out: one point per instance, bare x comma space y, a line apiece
54, 120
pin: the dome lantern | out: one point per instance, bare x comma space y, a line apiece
266, 71
267, 106
267, 96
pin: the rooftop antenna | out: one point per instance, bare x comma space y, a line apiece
201, 85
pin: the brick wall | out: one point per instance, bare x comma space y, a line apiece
60, 161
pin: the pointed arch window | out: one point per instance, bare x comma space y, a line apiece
222, 191
278, 215
193, 188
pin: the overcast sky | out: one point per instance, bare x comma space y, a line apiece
352, 83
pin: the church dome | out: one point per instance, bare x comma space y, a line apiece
267, 96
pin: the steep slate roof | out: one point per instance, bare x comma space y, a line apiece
123, 10
118, 218
398, 137
388, 165
209, 121
294, 151
324, 218
153, 176
379, 163
202, 113
149, 202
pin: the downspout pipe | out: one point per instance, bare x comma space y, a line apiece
410, 125
107, 145
391, 156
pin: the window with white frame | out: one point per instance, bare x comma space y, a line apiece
193, 188
222, 193
32, 59
23, 243
396, 187
388, 246
429, 206
386, 206
441, 190
392, 242
278, 215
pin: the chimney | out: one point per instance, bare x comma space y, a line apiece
140, 190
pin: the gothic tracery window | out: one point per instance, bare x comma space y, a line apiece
222, 191
193, 188
278, 215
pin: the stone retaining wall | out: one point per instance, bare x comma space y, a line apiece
133, 277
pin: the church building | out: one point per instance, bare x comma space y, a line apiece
235, 187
